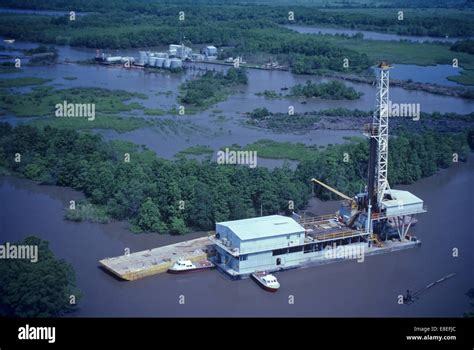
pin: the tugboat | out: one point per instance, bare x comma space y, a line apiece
266, 281
185, 266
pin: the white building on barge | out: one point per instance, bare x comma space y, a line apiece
275, 243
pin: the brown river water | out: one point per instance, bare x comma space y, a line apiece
342, 289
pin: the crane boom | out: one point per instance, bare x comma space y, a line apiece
340, 194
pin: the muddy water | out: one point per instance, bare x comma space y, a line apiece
205, 128
342, 289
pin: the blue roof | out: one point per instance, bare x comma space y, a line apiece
263, 227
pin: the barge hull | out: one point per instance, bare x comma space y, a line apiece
321, 260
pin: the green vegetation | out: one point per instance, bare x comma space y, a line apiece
211, 87
283, 122
40, 289
252, 31
154, 111
41, 55
41, 101
197, 150
147, 190
470, 294
402, 52
101, 121
39, 49
333, 90
85, 211
122, 26
7, 68
280, 150
269, 94
418, 22
23, 81
463, 46
465, 78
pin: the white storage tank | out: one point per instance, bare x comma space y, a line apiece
128, 59
152, 61
160, 62
114, 59
176, 63
161, 54
142, 58
167, 63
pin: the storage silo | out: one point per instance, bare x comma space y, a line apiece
114, 59
160, 62
142, 58
167, 63
152, 61
130, 60
176, 63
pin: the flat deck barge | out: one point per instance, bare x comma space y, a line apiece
157, 260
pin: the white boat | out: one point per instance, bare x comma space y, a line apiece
9, 41
266, 281
185, 266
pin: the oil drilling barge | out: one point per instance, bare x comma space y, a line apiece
377, 220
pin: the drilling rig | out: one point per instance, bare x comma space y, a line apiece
384, 213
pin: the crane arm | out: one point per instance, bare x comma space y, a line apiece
340, 194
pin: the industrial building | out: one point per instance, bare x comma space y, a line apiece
254, 244
171, 59
180, 51
210, 52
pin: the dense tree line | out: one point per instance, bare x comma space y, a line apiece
411, 157
241, 30
415, 21
148, 191
37, 289
333, 90
463, 46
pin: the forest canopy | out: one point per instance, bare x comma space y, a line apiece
37, 289
148, 190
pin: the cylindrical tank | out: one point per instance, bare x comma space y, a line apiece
142, 57
176, 63
159, 62
162, 54
128, 59
113, 59
167, 63
152, 61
